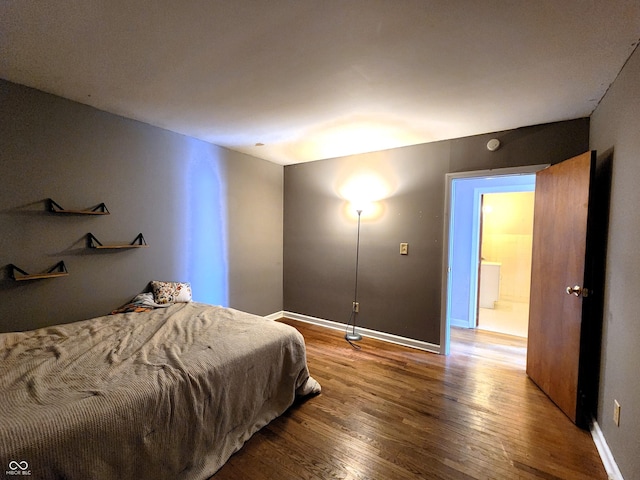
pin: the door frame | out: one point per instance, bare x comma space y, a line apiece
445, 326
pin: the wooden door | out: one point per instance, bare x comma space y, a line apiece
558, 290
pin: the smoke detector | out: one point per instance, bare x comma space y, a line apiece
493, 144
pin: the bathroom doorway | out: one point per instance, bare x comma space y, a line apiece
506, 239
462, 271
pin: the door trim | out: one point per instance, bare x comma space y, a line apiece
446, 267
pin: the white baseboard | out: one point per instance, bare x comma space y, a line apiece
610, 465
459, 322
275, 316
365, 332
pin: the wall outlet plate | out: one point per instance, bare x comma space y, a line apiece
616, 413
404, 249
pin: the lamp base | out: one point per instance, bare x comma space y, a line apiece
353, 337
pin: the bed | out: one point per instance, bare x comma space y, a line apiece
168, 393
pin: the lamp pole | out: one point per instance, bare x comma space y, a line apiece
353, 336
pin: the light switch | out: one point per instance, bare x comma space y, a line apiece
404, 249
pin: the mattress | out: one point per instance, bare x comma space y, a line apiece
170, 393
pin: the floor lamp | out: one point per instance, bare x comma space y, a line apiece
354, 336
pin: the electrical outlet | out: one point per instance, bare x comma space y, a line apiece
616, 413
356, 307
404, 249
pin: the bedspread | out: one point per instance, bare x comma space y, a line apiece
171, 393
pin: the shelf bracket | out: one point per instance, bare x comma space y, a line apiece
101, 207
93, 241
139, 240
60, 267
13, 269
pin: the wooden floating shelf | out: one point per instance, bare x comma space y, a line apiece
38, 276
100, 209
138, 242
51, 273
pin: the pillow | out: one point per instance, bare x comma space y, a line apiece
171, 292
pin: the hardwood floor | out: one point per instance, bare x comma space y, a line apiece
391, 412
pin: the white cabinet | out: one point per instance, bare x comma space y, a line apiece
489, 284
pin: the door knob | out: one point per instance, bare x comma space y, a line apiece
577, 291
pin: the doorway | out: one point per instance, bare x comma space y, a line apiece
462, 259
506, 241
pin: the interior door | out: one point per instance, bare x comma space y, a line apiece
558, 290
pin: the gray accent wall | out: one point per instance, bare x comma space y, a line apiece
211, 216
615, 133
400, 295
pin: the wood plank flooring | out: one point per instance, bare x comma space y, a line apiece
391, 412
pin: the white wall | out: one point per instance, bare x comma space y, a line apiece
507, 238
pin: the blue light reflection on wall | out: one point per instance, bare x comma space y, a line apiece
206, 246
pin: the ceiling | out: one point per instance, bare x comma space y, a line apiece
298, 80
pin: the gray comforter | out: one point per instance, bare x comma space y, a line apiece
172, 393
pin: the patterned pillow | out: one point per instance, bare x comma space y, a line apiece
171, 292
